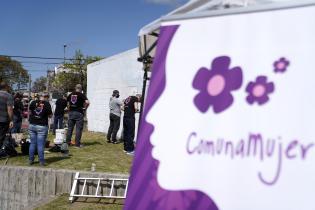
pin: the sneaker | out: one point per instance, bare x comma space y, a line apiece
30, 162
131, 153
115, 142
42, 164
78, 147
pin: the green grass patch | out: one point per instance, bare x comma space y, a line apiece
107, 157
62, 203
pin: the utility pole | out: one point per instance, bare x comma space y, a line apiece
47, 81
64, 54
64, 64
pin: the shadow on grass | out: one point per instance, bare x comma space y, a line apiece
104, 201
50, 160
92, 143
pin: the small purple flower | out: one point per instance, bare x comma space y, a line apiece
258, 91
281, 65
216, 84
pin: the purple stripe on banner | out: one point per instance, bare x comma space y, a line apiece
144, 191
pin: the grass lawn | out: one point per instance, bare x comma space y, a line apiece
62, 203
107, 157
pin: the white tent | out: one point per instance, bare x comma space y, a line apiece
122, 72
149, 33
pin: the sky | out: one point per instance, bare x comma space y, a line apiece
96, 27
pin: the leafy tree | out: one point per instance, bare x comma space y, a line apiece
40, 84
75, 72
12, 72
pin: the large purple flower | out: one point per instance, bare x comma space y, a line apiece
216, 84
281, 65
258, 91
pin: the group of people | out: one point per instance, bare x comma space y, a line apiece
11, 109
129, 106
40, 110
76, 103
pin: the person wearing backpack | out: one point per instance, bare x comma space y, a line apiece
40, 111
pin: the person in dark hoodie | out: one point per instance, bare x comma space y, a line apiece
114, 117
131, 106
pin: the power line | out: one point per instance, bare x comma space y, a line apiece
42, 58
36, 70
33, 62
36, 57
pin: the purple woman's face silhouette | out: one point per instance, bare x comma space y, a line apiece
236, 118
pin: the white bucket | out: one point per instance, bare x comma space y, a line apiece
60, 136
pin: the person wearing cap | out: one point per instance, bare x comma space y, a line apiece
40, 111
77, 104
6, 111
130, 107
114, 117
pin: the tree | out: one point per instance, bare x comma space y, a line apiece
12, 72
40, 84
75, 72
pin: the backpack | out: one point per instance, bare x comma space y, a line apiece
9, 146
56, 148
25, 146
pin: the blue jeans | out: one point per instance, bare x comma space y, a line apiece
58, 122
75, 119
17, 124
38, 135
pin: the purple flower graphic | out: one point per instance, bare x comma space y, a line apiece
259, 90
281, 65
216, 84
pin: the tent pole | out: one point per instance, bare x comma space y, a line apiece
146, 59
145, 78
144, 81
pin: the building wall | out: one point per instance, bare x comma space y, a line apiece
122, 72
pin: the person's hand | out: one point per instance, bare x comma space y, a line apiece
11, 124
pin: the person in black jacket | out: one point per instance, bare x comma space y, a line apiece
131, 106
61, 104
17, 113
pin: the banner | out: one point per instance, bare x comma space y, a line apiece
229, 121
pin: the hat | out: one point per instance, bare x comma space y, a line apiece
115, 93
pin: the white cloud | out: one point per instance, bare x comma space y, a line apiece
169, 2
